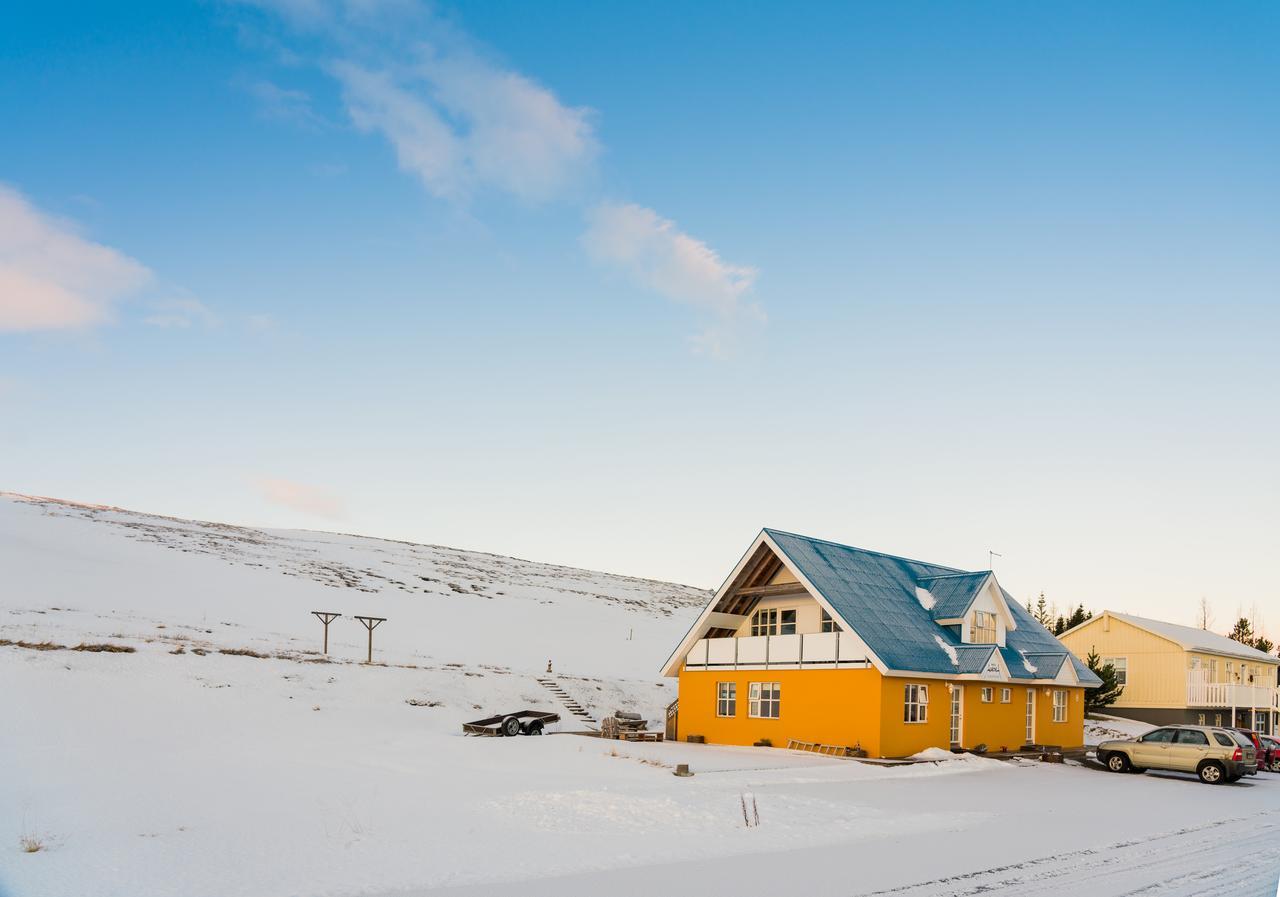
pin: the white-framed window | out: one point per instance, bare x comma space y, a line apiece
988, 695
1195, 663
915, 704
1006, 696
726, 699
773, 621
828, 624
1121, 665
1200, 720
1213, 669
765, 700
1060, 705
982, 630
1217, 719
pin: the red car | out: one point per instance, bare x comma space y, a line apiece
1264, 754
1272, 746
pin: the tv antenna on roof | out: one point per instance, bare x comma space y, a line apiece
991, 556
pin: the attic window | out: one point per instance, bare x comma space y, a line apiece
983, 629
828, 624
772, 621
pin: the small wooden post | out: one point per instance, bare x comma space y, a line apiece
371, 623
326, 617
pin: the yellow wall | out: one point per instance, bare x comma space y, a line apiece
839, 707
1069, 734
860, 707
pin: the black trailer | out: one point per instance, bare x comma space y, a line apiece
521, 722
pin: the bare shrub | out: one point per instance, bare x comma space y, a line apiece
31, 844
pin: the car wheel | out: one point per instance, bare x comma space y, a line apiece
1212, 773
1117, 762
511, 726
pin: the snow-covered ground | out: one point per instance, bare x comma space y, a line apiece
177, 769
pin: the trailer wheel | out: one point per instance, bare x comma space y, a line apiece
534, 728
511, 726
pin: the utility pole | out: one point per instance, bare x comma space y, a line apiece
371, 623
326, 617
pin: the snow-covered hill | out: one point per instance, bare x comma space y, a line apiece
96, 571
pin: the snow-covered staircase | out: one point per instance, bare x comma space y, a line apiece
579, 713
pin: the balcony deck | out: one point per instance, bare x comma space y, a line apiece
762, 652
1203, 693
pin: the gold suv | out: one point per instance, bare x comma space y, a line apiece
1216, 755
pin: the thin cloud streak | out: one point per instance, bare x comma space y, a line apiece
302, 498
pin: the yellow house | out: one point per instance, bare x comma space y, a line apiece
1179, 674
813, 642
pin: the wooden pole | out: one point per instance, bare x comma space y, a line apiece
371, 623
326, 617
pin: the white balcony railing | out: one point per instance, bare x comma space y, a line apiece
1203, 693
815, 649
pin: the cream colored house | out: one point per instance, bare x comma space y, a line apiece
1179, 674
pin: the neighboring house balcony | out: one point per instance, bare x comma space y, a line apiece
763, 652
1203, 693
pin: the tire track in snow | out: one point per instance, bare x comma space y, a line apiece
1236, 857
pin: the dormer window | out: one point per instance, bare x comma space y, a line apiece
772, 621
982, 631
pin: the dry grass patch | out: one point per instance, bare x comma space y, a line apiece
243, 652
33, 646
105, 648
31, 844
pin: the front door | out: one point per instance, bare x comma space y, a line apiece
1031, 716
957, 714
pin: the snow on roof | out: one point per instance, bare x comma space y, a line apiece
950, 649
1197, 639
925, 597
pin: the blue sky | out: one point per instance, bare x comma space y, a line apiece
616, 285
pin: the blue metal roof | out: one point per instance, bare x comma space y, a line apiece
953, 593
875, 594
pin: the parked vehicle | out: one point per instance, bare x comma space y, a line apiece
1273, 752
1256, 740
1214, 754
519, 722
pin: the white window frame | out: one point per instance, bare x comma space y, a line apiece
915, 704
829, 624
978, 634
726, 699
1121, 665
1202, 718
1031, 716
988, 694
1006, 696
759, 706
769, 621
1060, 698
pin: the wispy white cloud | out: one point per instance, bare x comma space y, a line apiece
301, 497
285, 104
459, 124
52, 278
183, 312
655, 253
